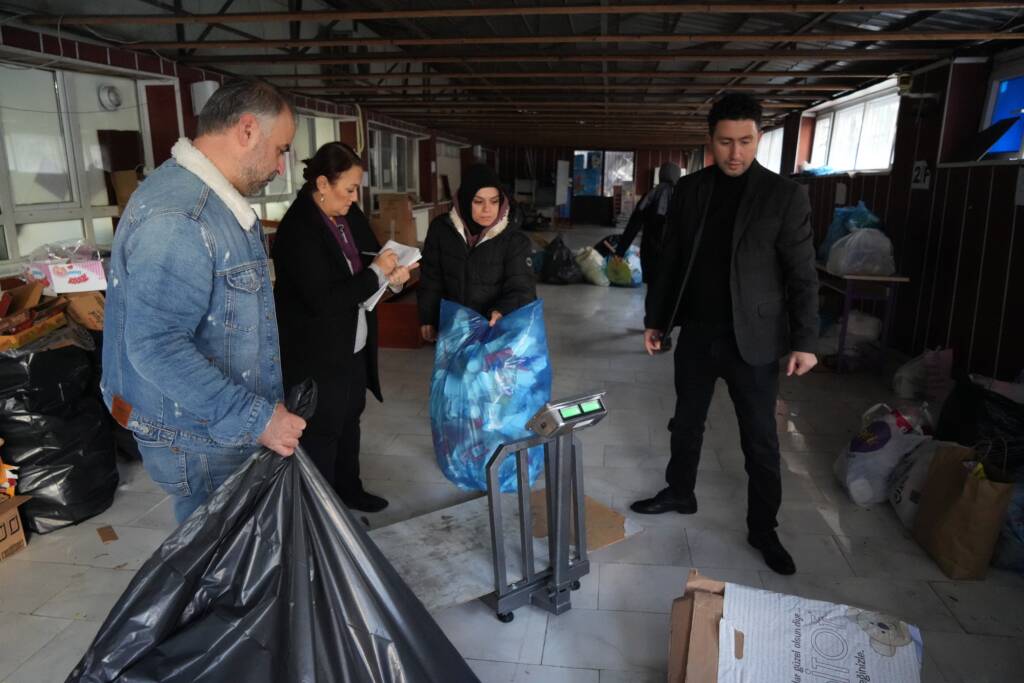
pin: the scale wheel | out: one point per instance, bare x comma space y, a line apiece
506, 617
575, 585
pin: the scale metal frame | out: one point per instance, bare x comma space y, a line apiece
555, 425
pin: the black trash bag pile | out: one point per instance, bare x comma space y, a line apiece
59, 435
271, 580
974, 416
560, 268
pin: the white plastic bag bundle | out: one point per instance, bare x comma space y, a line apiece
592, 265
866, 251
908, 480
865, 466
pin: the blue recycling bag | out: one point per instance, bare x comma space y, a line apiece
487, 383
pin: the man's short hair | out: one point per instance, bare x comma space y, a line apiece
240, 96
734, 107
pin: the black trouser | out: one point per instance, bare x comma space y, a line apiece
703, 354
332, 437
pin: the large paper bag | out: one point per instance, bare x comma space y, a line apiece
960, 514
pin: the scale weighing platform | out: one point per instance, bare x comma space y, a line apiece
444, 555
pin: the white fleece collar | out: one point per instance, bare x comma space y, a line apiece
194, 161
492, 232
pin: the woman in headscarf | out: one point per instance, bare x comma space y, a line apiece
476, 255
649, 216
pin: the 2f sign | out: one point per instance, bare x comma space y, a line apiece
921, 178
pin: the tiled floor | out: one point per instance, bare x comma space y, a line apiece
55, 593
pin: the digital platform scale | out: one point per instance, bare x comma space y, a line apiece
554, 425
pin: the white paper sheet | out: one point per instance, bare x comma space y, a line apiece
788, 639
406, 257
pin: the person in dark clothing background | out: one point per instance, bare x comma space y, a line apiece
476, 255
738, 278
323, 279
649, 216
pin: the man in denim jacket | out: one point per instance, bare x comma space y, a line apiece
191, 363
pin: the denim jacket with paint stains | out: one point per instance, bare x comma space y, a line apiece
190, 352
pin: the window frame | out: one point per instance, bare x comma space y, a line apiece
80, 207
861, 99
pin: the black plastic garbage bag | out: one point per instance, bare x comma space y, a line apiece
66, 464
46, 382
974, 415
560, 268
271, 581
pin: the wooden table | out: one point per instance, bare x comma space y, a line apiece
861, 288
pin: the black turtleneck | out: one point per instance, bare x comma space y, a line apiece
708, 298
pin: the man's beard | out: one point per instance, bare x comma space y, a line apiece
252, 183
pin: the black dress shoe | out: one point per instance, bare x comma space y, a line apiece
365, 502
667, 500
775, 556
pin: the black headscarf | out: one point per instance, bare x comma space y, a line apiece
474, 179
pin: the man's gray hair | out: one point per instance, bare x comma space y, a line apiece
241, 96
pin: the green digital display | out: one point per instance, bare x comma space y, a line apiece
570, 412
591, 406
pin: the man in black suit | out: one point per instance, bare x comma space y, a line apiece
740, 282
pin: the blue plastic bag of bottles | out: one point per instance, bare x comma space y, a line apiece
487, 383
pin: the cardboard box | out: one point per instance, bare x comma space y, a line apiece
12, 534
728, 633
125, 183
30, 334
394, 219
86, 309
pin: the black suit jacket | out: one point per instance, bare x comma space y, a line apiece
773, 278
318, 297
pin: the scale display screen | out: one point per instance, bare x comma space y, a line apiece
560, 417
584, 408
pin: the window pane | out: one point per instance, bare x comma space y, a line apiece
842, 155
103, 231
618, 169
769, 151
387, 180
326, 130
302, 147
33, 235
275, 210
819, 152
412, 161
34, 137
401, 163
374, 153
878, 134
108, 122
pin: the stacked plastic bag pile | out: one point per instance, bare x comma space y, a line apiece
856, 245
59, 435
487, 383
